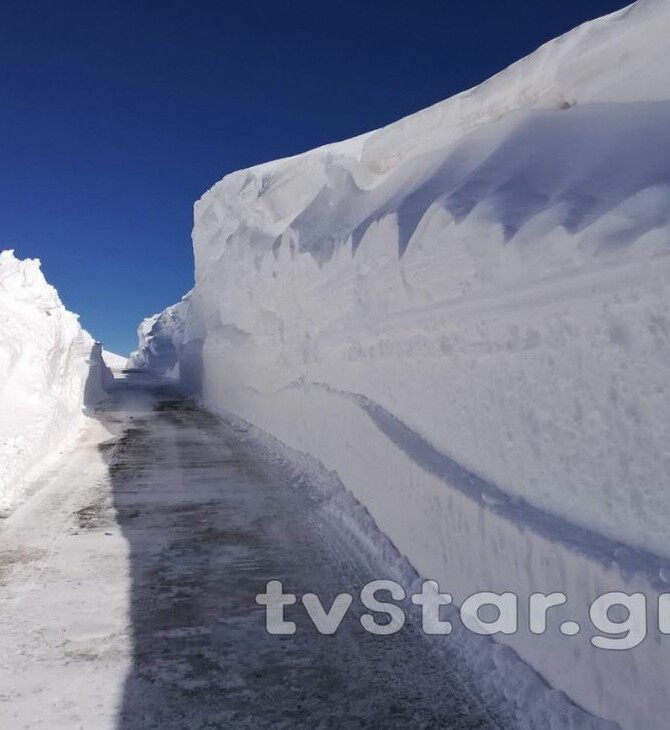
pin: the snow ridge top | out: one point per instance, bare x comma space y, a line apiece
620, 57
617, 59
23, 280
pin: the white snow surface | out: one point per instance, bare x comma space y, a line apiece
116, 363
52, 370
465, 316
170, 344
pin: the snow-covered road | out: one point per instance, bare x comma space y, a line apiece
128, 584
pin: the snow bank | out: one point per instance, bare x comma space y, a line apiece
465, 316
170, 344
52, 370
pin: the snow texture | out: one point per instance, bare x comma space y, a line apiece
464, 315
170, 344
116, 363
52, 372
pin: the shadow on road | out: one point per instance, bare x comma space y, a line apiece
209, 517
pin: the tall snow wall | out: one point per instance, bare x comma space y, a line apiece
52, 373
464, 315
170, 344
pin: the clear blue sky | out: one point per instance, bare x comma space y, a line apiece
116, 116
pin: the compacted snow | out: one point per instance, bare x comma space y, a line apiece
52, 370
465, 316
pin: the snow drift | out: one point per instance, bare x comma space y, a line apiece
465, 316
52, 370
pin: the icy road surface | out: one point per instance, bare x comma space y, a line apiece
128, 584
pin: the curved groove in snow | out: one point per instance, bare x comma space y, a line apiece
629, 560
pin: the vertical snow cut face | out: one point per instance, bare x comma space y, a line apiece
500, 287
465, 316
51, 371
170, 344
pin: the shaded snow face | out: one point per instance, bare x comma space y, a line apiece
505, 298
529, 174
170, 344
